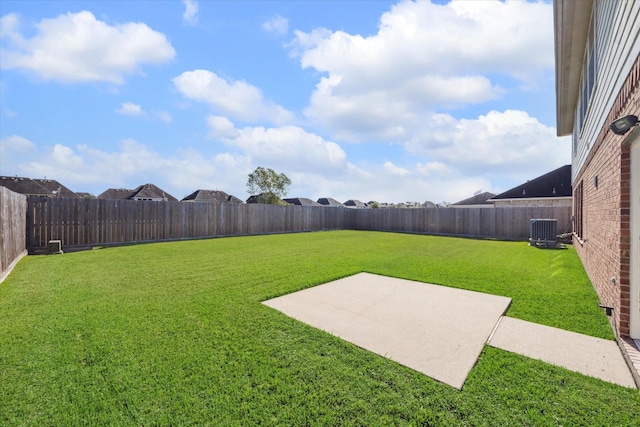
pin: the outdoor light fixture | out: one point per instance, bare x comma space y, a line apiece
623, 124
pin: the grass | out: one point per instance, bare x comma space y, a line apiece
174, 334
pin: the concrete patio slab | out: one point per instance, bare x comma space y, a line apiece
436, 330
588, 355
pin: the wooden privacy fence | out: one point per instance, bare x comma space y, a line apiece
94, 222
506, 223
13, 226
89, 222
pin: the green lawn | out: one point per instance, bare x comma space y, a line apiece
174, 334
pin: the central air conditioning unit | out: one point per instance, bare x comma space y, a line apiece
542, 233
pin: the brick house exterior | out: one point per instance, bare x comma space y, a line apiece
597, 82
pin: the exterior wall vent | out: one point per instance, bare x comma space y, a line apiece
542, 233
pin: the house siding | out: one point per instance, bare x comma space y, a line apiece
616, 25
605, 244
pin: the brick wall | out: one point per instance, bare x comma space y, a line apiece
548, 201
605, 246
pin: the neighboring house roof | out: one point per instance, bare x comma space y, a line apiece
256, 199
556, 183
355, 203
25, 186
115, 194
478, 199
85, 195
211, 196
56, 188
146, 191
301, 201
328, 201
429, 204
150, 191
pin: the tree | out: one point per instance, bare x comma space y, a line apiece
268, 184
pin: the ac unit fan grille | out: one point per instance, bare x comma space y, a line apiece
543, 232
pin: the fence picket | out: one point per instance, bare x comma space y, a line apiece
13, 228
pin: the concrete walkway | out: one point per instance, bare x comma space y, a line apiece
440, 331
588, 355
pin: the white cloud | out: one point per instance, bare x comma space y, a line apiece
424, 58
9, 25
304, 42
11, 148
498, 142
65, 158
288, 147
163, 116
276, 24
129, 109
16, 144
445, 39
291, 147
237, 99
190, 15
9, 113
86, 164
221, 127
128, 164
433, 169
77, 47
395, 170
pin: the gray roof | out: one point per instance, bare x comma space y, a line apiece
355, 203
25, 186
211, 196
56, 188
115, 194
556, 183
301, 201
478, 199
256, 199
37, 187
85, 195
146, 191
150, 191
328, 201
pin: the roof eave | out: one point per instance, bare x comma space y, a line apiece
571, 28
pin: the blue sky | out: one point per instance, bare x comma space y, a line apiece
368, 100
